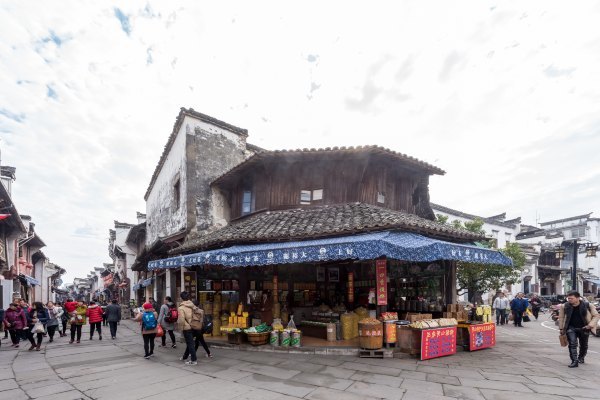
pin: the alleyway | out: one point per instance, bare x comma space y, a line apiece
526, 364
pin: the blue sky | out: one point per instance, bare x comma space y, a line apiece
504, 96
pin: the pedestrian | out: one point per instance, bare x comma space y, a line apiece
16, 321
536, 305
55, 314
77, 320
113, 316
149, 321
103, 306
167, 317
500, 305
577, 318
184, 322
64, 318
94, 314
518, 306
154, 303
199, 336
36, 325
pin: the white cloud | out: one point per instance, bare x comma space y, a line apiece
503, 97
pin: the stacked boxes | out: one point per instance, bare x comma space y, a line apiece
238, 321
412, 317
456, 311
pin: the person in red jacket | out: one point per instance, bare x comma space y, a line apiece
94, 314
15, 321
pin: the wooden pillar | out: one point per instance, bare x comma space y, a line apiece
450, 281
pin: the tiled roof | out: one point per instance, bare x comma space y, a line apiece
193, 113
329, 152
491, 220
322, 221
556, 221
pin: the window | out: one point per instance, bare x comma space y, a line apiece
495, 234
247, 202
508, 237
578, 232
306, 196
381, 197
177, 193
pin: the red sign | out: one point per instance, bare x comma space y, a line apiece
381, 275
108, 279
438, 342
482, 336
350, 287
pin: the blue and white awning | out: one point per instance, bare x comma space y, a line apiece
143, 283
395, 245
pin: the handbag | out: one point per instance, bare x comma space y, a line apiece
38, 327
160, 331
526, 317
563, 340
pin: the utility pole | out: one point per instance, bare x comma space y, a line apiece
574, 270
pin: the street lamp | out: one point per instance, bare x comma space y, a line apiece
590, 251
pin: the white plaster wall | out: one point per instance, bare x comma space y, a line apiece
161, 217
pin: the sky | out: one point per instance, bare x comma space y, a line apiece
504, 96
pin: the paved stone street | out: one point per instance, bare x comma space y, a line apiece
526, 364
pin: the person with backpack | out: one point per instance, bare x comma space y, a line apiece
199, 333
113, 316
54, 315
167, 318
149, 321
189, 319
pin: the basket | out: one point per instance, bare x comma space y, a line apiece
258, 339
370, 336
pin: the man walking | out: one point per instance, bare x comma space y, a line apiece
518, 306
576, 319
500, 305
184, 321
113, 316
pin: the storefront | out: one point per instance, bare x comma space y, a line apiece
323, 284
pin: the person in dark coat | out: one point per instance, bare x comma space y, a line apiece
518, 306
37, 314
113, 316
15, 320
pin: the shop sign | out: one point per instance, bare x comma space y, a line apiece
381, 273
275, 289
350, 287
108, 279
482, 336
438, 342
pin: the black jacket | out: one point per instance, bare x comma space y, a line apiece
583, 309
113, 313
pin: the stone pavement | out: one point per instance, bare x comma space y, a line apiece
527, 363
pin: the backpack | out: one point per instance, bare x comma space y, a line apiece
207, 325
172, 315
148, 320
197, 318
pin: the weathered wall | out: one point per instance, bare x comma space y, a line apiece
211, 151
163, 218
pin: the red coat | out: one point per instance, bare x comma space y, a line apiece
70, 306
94, 313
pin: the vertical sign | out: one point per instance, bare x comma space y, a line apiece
275, 289
381, 274
482, 336
350, 287
438, 342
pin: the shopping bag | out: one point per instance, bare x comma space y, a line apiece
159, 331
38, 328
526, 317
529, 313
511, 317
563, 340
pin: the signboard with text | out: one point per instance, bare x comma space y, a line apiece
350, 287
438, 342
482, 336
381, 274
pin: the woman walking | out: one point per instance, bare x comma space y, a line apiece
77, 320
64, 318
36, 321
55, 314
149, 322
15, 320
95, 315
167, 319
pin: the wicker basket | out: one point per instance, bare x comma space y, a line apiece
258, 339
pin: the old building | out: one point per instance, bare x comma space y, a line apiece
179, 200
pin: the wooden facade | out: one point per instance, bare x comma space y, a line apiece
278, 183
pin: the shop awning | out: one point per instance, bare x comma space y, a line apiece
396, 245
29, 280
594, 281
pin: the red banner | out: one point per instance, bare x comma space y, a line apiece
108, 279
350, 287
482, 336
381, 274
438, 342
